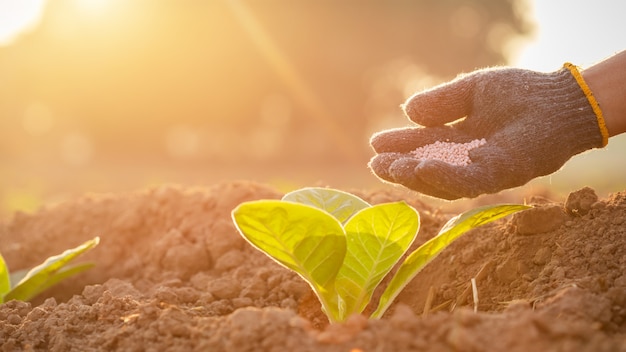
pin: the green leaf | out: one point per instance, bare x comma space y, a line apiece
377, 238
5, 282
63, 274
341, 205
40, 277
300, 237
429, 250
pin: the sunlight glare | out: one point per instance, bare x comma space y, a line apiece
18, 17
284, 67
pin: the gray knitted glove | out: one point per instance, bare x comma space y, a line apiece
532, 122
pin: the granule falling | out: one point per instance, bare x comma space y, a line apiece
449, 152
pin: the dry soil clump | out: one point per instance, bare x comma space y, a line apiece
173, 274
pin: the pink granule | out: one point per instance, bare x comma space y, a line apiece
449, 152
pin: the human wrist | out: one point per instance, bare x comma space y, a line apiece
607, 81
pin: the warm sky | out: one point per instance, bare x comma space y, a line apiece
579, 31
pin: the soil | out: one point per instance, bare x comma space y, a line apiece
172, 273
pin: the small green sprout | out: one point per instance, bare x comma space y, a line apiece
343, 247
52, 271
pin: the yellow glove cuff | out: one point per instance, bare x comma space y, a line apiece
592, 101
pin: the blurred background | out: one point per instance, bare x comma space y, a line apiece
116, 95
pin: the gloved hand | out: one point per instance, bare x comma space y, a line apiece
533, 123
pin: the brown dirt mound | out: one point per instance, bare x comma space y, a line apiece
173, 274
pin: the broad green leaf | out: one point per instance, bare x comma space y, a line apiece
5, 282
39, 277
61, 275
341, 205
377, 238
429, 250
300, 237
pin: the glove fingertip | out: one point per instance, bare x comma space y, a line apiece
380, 165
403, 169
464, 181
414, 110
378, 141
442, 104
406, 172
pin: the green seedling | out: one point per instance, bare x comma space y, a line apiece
344, 247
52, 271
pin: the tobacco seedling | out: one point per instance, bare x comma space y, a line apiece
343, 247
52, 271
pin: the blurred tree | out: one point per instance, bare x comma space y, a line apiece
274, 80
